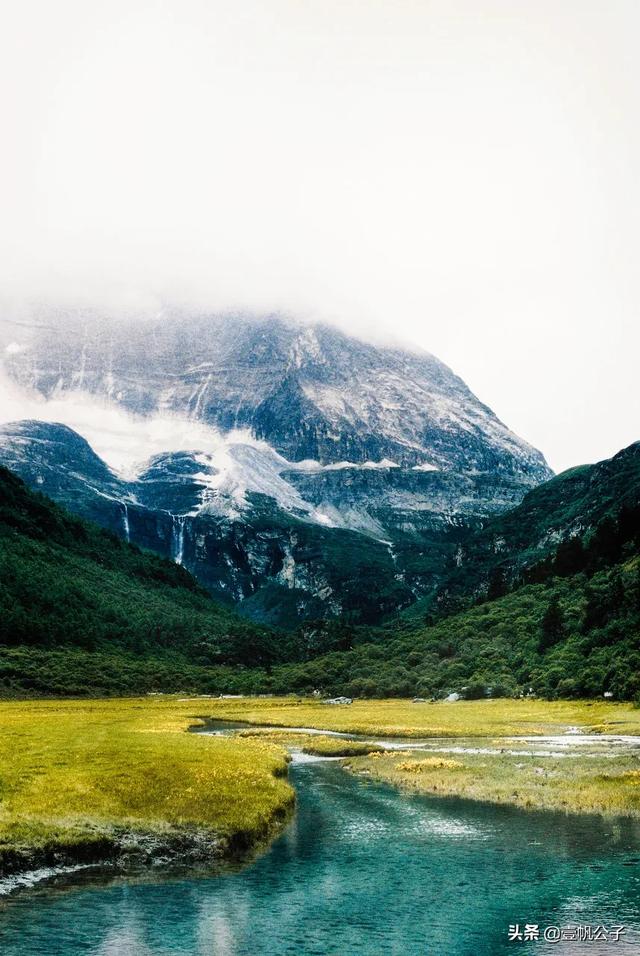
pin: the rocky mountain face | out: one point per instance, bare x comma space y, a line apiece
342, 478
279, 566
311, 392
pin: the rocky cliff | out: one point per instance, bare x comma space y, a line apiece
341, 477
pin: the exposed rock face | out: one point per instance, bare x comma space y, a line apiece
359, 472
279, 567
311, 392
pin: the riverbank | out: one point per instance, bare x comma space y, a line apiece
120, 781
572, 773
364, 868
404, 718
575, 783
572, 782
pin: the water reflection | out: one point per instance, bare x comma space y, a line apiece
361, 869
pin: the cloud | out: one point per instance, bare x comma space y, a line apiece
122, 440
455, 174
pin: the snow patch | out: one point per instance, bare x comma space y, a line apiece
315, 466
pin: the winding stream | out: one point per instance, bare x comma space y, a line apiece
361, 869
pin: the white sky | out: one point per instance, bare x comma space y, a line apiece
463, 174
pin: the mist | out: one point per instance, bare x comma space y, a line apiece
124, 441
455, 175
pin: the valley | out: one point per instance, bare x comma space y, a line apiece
319, 478
260, 630
169, 849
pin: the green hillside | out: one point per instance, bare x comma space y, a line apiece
80, 611
65, 583
570, 505
570, 629
570, 637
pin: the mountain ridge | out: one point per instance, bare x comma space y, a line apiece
571, 629
312, 392
567, 507
327, 465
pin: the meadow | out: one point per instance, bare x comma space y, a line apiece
404, 718
574, 784
85, 780
316, 744
608, 785
122, 779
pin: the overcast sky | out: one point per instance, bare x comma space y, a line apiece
463, 174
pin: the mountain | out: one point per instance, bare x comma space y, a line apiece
271, 563
574, 636
83, 612
337, 478
311, 392
109, 616
546, 600
544, 597
567, 508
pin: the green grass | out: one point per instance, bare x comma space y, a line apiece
75, 776
608, 786
402, 718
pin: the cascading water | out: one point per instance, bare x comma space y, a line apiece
125, 522
177, 538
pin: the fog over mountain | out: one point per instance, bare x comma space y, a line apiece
460, 178
308, 389
291, 467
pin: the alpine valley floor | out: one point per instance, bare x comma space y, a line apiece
121, 780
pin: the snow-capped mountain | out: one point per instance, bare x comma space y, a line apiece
273, 556
311, 392
315, 474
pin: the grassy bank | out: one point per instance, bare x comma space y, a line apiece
122, 780
86, 780
576, 783
402, 718
316, 744
609, 786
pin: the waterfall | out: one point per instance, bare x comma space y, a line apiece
177, 538
399, 576
125, 522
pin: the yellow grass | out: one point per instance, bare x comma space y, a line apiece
427, 765
607, 786
81, 772
315, 743
402, 718
572, 784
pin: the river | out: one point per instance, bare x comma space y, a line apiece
361, 869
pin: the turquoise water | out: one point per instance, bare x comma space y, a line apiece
362, 869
